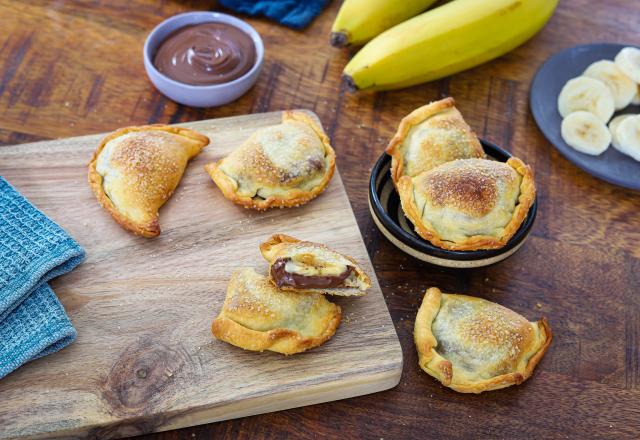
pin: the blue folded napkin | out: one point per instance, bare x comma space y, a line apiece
293, 13
33, 250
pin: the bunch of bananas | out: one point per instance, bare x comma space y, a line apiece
406, 46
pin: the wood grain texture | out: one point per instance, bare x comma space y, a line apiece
581, 263
145, 359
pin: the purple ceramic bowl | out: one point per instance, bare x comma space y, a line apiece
200, 96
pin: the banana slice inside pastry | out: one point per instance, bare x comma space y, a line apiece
258, 316
135, 170
473, 345
296, 264
586, 94
430, 136
469, 204
280, 166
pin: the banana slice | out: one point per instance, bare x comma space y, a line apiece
586, 133
622, 87
613, 127
588, 94
636, 99
628, 134
628, 60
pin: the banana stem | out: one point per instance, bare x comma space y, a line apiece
351, 84
339, 39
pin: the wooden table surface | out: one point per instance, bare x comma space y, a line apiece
74, 67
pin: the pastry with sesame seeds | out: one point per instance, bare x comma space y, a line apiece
473, 345
313, 267
430, 136
284, 165
257, 316
135, 170
469, 204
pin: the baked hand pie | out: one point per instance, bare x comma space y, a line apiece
283, 165
296, 264
469, 204
135, 170
430, 136
257, 316
473, 345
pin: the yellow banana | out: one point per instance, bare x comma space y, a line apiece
446, 40
358, 21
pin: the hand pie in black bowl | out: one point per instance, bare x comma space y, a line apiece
389, 217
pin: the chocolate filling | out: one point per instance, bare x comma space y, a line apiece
206, 53
284, 278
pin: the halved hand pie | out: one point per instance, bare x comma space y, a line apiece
472, 345
469, 204
296, 264
430, 136
135, 170
280, 166
257, 316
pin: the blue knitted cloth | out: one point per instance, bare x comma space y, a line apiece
293, 13
33, 250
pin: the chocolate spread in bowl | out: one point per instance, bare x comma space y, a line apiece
205, 54
284, 278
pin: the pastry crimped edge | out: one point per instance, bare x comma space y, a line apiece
475, 242
406, 124
265, 250
228, 186
437, 366
151, 229
279, 340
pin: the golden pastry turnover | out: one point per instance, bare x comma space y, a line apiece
473, 345
296, 264
430, 136
284, 165
469, 204
257, 316
135, 170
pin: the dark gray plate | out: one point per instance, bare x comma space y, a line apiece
612, 166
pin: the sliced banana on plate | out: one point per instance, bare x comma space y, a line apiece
628, 60
628, 136
586, 94
622, 87
613, 127
586, 133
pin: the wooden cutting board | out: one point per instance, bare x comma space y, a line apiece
145, 359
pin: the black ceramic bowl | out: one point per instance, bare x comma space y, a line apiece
384, 204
